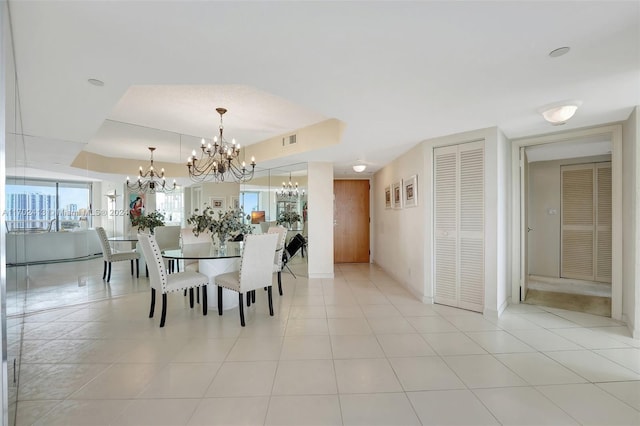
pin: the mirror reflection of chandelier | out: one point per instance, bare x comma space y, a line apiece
149, 180
220, 161
289, 191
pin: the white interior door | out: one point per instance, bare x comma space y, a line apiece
586, 222
459, 225
446, 225
603, 258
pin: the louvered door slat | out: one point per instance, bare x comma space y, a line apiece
472, 274
577, 254
472, 190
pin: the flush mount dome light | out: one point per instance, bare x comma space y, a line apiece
359, 168
559, 113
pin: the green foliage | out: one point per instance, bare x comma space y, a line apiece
225, 224
150, 221
289, 217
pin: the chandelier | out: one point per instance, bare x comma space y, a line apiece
289, 191
220, 161
150, 180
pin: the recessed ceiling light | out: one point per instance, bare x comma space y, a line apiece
96, 82
559, 51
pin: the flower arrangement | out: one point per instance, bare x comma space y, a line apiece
289, 217
150, 221
227, 224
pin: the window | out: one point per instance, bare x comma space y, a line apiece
249, 202
171, 206
42, 205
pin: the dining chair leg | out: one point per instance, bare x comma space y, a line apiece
241, 309
109, 273
191, 297
280, 282
204, 300
219, 300
104, 270
269, 292
146, 269
253, 296
164, 309
248, 299
131, 267
137, 268
153, 302
198, 295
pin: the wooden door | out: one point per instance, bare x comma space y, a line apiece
351, 221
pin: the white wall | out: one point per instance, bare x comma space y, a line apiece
630, 218
544, 195
403, 239
320, 201
398, 235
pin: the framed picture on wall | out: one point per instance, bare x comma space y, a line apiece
396, 195
217, 203
410, 191
387, 197
235, 202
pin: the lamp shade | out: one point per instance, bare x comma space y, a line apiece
359, 168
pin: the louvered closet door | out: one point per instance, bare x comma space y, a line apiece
446, 225
603, 222
471, 227
459, 225
586, 222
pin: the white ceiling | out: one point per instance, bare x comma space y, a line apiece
396, 73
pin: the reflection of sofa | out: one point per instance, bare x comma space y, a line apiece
51, 246
29, 226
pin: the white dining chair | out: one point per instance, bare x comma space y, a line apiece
190, 242
168, 238
168, 283
256, 271
278, 262
110, 255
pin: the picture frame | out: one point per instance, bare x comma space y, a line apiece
410, 191
234, 202
217, 203
396, 195
387, 197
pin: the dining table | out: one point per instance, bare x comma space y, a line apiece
212, 261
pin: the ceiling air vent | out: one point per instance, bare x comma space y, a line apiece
291, 140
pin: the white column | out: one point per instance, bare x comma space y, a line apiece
320, 214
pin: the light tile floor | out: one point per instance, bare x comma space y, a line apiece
354, 350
